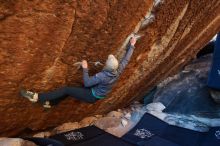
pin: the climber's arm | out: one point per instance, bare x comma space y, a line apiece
90, 81
129, 51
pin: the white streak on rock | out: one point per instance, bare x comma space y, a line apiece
124, 122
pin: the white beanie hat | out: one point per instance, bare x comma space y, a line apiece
111, 63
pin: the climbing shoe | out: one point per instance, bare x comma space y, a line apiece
29, 95
47, 104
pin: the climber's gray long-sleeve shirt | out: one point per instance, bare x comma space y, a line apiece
102, 82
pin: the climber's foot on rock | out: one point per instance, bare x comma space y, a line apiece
47, 104
31, 96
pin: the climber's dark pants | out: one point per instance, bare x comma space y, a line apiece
83, 94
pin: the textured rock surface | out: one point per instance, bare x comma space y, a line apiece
15, 142
40, 42
110, 122
66, 127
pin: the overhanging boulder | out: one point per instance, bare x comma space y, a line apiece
41, 42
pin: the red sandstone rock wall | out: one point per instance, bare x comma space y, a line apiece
41, 40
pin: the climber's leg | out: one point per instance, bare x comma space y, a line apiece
83, 94
52, 95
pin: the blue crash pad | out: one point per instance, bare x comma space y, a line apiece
151, 131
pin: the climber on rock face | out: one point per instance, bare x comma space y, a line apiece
95, 87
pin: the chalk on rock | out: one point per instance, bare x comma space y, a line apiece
157, 2
157, 106
148, 19
124, 122
128, 116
